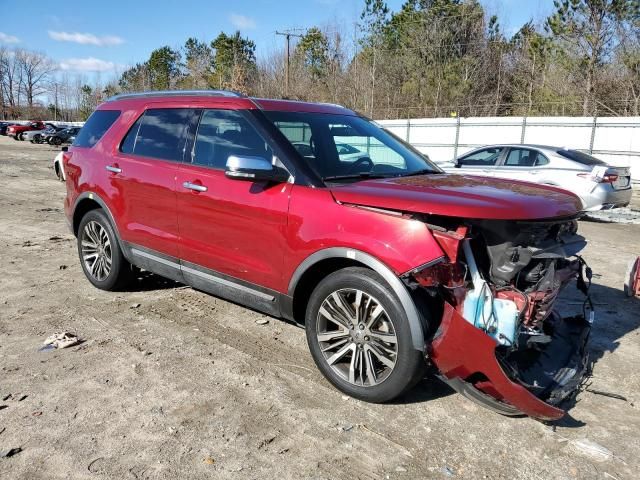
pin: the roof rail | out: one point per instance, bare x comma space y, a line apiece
176, 93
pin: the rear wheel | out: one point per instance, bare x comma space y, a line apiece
56, 141
359, 336
100, 255
20, 136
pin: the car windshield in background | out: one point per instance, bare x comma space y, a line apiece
345, 147
580, 157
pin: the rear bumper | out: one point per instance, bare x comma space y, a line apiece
467, 359
604, 197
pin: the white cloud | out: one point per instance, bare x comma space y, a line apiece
86, 38
242, 22
87, 65
5, 38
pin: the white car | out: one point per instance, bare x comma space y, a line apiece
37, 136
599, 185
57, 166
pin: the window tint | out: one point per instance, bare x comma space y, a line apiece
222, 133
159, 133
483, 158
95, 127
580, 157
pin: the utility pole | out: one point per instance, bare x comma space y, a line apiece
287, 34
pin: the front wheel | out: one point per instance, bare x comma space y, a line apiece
56, 141
37, 139
359, 336
100, 255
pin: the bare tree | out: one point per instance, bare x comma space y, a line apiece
36, 69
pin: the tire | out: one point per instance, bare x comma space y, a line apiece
95, 228
20, 136
57, 141
37, 138
15, 137
367, 377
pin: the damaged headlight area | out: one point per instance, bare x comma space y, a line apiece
500, 339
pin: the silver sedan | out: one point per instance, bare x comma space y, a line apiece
598, 184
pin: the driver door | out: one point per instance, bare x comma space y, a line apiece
232, 232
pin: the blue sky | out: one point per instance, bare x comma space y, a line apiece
107, 36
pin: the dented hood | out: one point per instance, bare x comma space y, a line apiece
461, 196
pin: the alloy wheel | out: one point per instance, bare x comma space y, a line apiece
96, 251
357, 337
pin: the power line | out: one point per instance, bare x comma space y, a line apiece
287, 34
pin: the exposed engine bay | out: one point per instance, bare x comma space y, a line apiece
504, 278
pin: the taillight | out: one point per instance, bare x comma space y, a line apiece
606, 178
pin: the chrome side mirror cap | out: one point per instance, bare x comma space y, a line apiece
254, 169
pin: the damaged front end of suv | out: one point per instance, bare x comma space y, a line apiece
500, 340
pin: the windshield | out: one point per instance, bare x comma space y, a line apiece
343, 147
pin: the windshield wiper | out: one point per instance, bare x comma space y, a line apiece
424, 171
358, 176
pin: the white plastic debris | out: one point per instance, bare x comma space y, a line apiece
61, 340
592, 449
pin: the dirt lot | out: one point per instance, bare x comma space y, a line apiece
172, 383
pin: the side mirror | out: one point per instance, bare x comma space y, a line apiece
254, 169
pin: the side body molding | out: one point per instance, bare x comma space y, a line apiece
415, 324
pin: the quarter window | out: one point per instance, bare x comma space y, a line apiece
159, 133
95, 127
223, 133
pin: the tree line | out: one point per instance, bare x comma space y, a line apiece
431, 58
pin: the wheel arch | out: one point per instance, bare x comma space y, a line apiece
88, 201
315, 267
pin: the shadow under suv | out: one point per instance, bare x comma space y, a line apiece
313, 213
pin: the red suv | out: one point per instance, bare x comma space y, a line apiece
313, 213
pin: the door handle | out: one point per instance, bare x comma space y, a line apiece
113, 169
194, 186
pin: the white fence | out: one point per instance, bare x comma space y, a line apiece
615, 140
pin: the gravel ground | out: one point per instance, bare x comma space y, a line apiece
172, 383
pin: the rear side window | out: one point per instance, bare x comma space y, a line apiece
95, 127
580, 157
159, 133
523, 157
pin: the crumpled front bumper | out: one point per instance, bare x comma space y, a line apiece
467, 360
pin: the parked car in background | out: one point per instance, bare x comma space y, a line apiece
389, 262
598, 184
3, 127
16, 131
57, 165
62, 136
38, 136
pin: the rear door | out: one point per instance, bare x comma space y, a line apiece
481, 162
524, 164
232, 232
143, 174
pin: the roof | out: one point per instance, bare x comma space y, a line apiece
227, 98
521, 145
